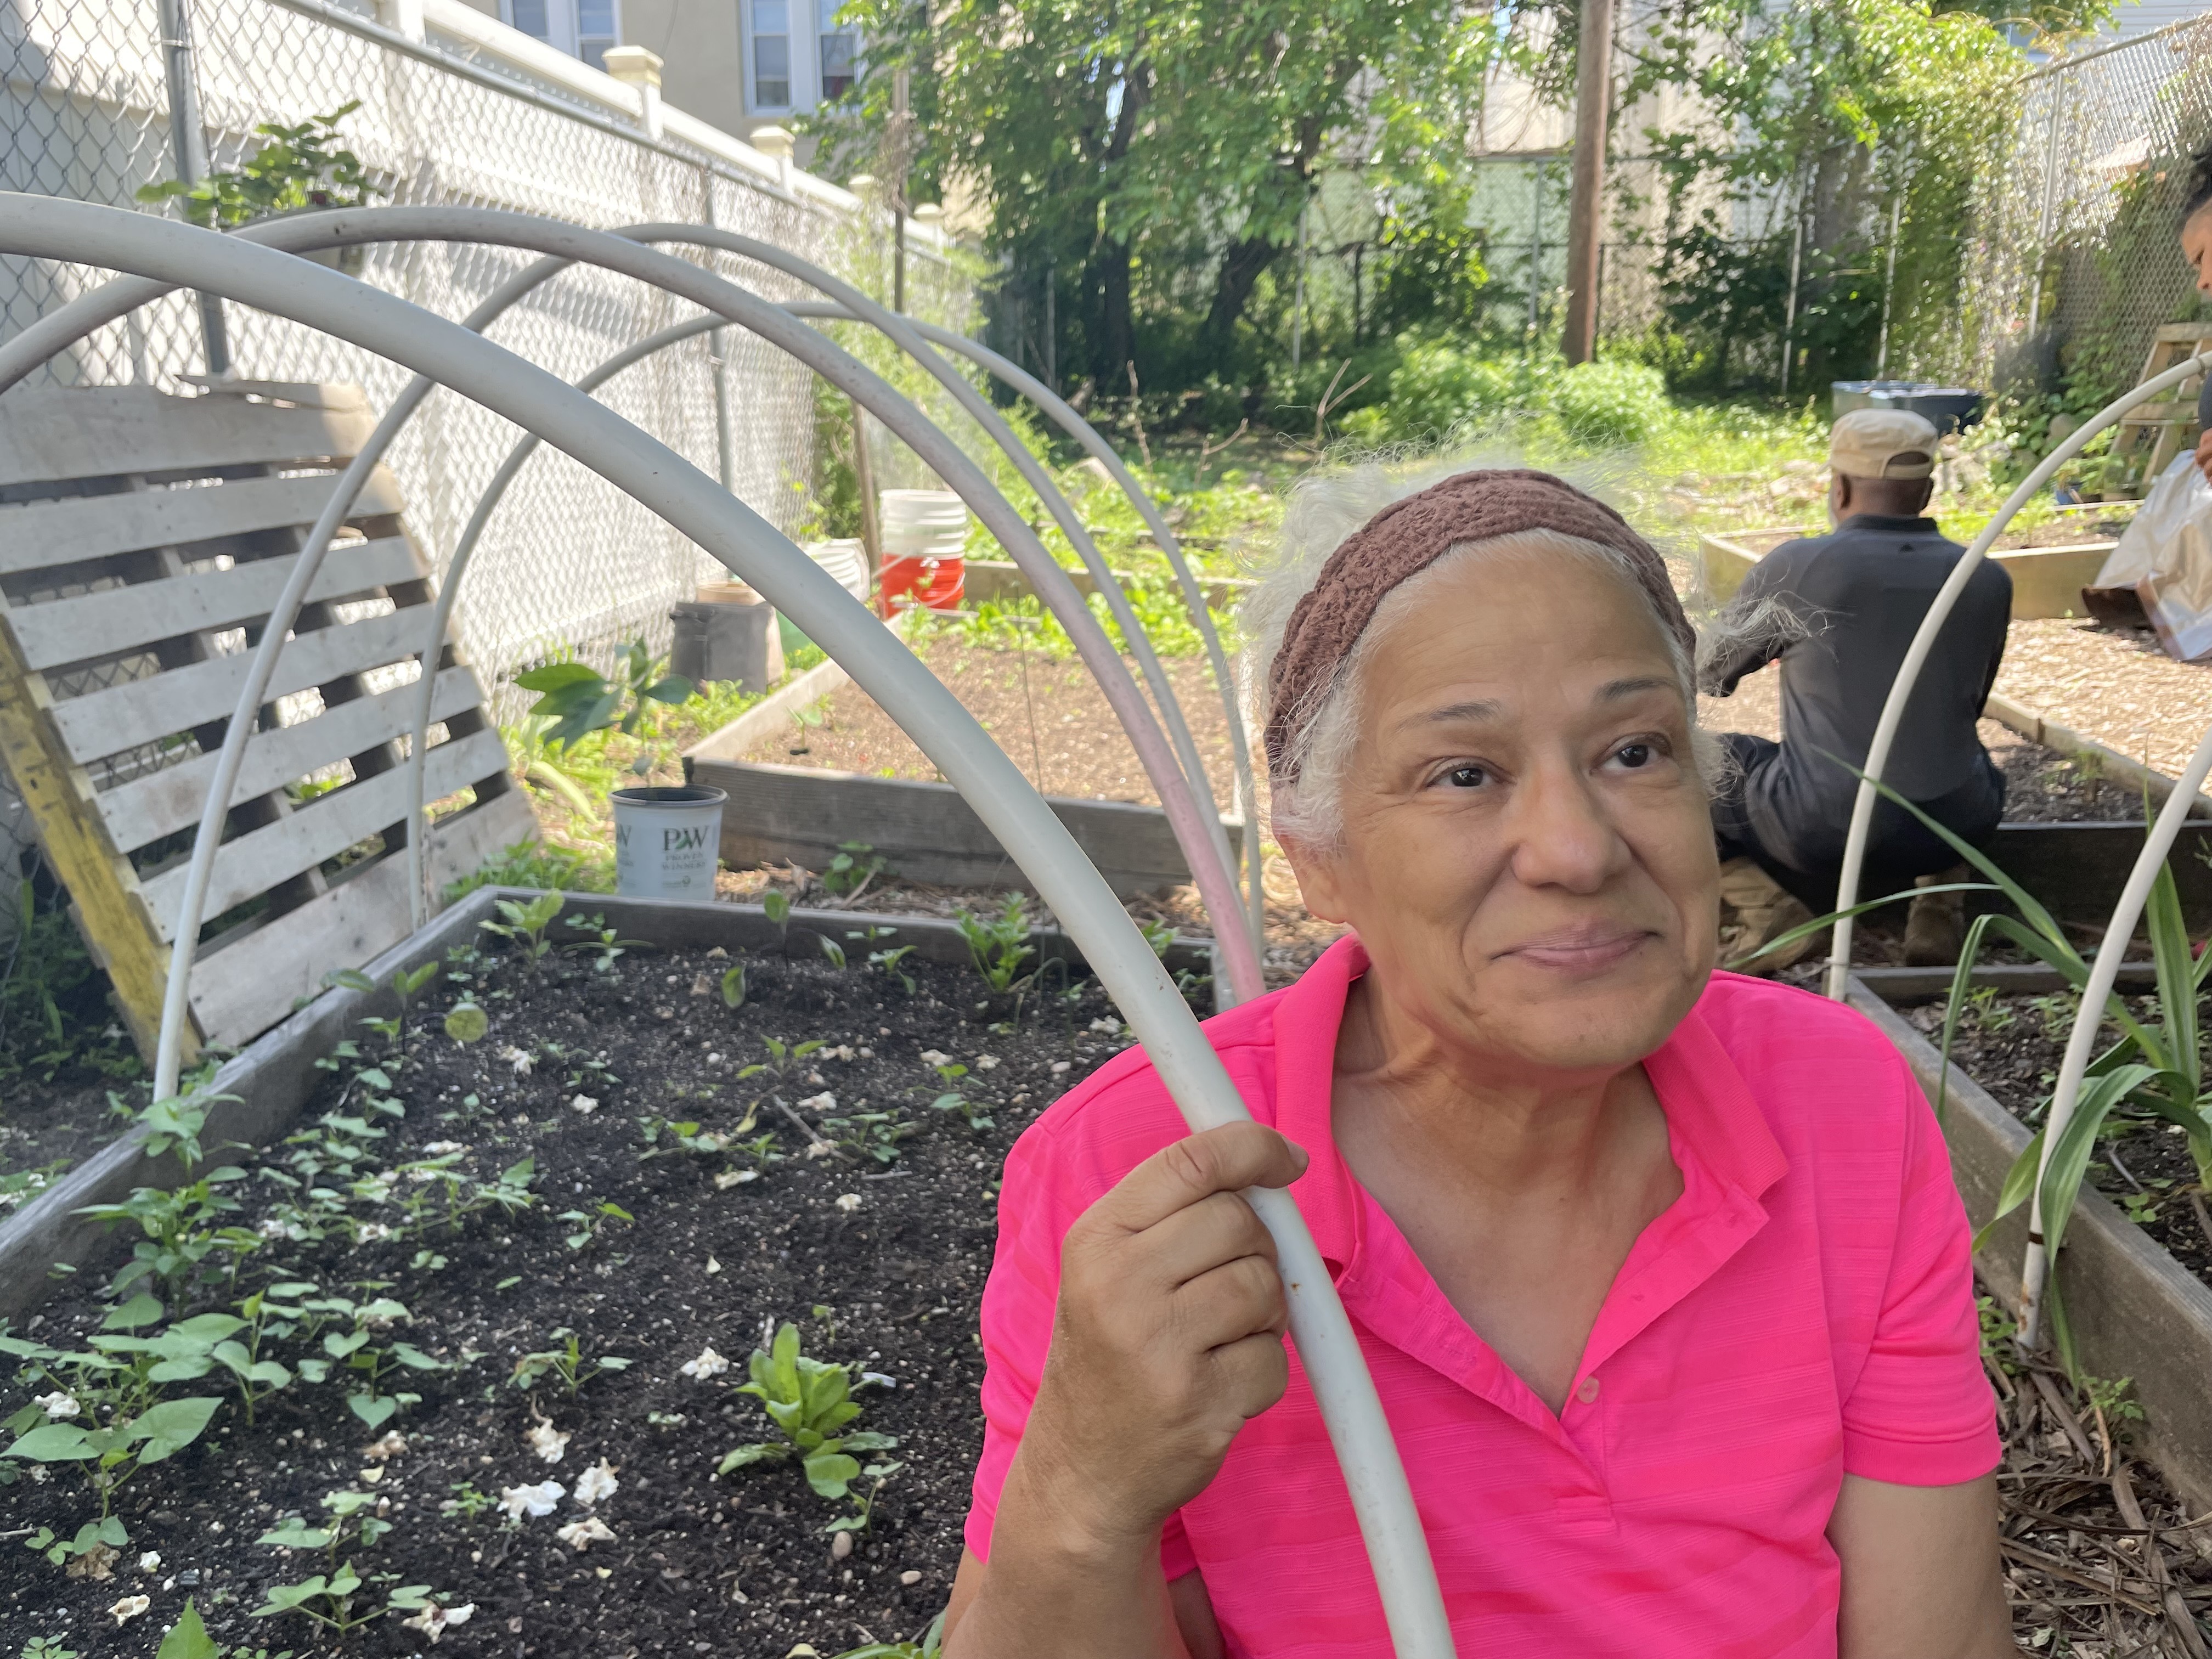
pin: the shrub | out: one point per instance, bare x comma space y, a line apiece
1609, 404
1438, 385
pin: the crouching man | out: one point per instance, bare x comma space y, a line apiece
1840, 610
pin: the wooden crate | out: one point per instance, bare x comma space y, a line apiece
143, 538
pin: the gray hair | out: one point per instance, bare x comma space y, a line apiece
1325, 508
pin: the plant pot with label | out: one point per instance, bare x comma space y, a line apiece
668, 840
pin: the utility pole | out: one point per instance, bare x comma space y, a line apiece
188, 142
900, 119
1586, 212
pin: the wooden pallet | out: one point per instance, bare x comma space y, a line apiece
2152, 435
143, 538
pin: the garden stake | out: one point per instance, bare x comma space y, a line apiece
180, 255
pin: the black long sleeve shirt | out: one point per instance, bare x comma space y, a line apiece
1860, 594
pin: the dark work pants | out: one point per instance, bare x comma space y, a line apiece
1808, 858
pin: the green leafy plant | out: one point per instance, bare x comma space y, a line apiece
466, 1501
854, 865
328, 1599
999, 945
952, 1100
524, 922
869, 1135
809, 1399
466, 1021
181, 1228
578, 700
733, 985
587, 1223
930, 1644
864, 1509
568, 1362
300, 166
113, 1454
103, 1537
604, 940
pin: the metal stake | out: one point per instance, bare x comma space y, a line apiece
188, 141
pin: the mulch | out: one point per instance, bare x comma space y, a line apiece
888, 1282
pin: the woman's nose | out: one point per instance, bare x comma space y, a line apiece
1561, 835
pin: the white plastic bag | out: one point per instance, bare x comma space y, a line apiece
2165, 556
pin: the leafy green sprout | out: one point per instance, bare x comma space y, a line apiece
776, 905
328, 1599
524, 923
929, 1646
605, 941
578, 700
952, 1100
569, 1363
999, 945
587, 1224
809, 1399
404, 984
466, 1501
733, 985
113, 1454
852, 867
863, 1515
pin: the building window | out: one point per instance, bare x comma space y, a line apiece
582, 28
595, 31
837, 54
771, 54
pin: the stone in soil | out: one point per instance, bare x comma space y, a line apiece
880, 1264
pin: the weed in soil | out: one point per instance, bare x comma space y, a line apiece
477, 1296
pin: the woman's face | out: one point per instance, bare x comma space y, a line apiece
2196, 247
1527, 854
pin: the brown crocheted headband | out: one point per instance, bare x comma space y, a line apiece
1404, 539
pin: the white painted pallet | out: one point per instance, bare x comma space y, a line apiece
142, 540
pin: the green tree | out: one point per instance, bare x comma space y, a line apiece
1155, 154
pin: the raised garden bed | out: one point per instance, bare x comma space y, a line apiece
2136, 1292
597, 1082
2046, 581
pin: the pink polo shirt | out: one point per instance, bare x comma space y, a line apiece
1805, 1310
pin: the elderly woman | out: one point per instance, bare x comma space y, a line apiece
1660, 1271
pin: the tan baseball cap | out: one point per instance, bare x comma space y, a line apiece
1882, 443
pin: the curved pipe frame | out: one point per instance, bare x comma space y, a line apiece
1193, 596
180, 255
564, 245
1923, 641
1094, 444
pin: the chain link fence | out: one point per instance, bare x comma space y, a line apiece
568, 563
2075, 262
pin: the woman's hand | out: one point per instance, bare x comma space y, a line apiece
1168, 1335
1167, 1338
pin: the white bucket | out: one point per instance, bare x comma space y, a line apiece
668, 840
846, 560
924, 523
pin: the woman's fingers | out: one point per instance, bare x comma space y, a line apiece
1184, 1172
1237, 1299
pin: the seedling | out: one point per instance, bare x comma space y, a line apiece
525, 923
568, 1362
113, 1455
106, 1537
872, 1134
929, 1646
853, 867
865, 1508
733, 985
467, 1502
587, 1223
887, 961
776, 905
1000, 945
45, 1647
466, 1021
603, 941
179, 1225
809, 1401
953, 1100
347, 1509
328, 1599
833, 950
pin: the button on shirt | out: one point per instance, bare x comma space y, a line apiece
1804, 1310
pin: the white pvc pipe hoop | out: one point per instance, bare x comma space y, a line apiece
1194, 598
1923, 641
1193, 595
2089, 1018
565, 244
180, 255
2104, 973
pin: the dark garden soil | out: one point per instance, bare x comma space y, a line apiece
880, 1265
48, 1126
2012, 1046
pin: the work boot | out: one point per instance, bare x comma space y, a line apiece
1756, 909
1936, 923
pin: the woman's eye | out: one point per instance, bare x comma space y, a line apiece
1635, 754
1467, 777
